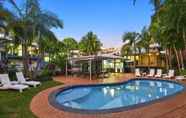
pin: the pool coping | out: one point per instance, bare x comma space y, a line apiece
55, 104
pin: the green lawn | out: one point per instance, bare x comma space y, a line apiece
16, 105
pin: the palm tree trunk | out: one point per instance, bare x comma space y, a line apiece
181, 59
134, 54
148, 52
41, 51
177, 58
170, 58
25, 57
167, 60
184, 37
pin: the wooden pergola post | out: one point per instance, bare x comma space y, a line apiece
90, 69
115, 70
66, 68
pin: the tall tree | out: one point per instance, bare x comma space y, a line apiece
156, 3
131, 38
70, 44
31, 24
90, 44
169, 23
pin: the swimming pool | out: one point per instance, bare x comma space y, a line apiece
113, 97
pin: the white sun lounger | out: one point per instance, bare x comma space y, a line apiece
6, 84
21, 79
159, 73
170, 74
180, 78
137, 72
151, 74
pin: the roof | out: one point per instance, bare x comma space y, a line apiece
95, 57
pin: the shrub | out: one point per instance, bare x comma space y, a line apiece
183, 72
46, 73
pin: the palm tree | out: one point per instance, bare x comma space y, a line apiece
31, 24
43, 22
131, 38
168, 25
70, 44
126, 50
90, 44
156, 3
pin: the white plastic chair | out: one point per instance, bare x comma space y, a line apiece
21, 79
6, 84
170, 74
137, 72
152, 72
159, 73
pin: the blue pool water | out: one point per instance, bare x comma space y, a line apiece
105, 97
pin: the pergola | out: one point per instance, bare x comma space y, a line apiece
91, 58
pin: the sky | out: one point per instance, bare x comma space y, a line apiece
109, 19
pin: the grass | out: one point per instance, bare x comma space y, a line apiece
16, 105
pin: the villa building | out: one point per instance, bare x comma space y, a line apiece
152, 59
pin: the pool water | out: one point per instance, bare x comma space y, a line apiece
103, 97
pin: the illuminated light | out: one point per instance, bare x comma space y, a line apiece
46, 59
161, 90
157, 97
112, 92
149, 95
137, 88
165, 92
159, 84
118, 88
105, 91
132, 88
171, 85
143, 100
137, 83
152, 84
107, 87
66, 104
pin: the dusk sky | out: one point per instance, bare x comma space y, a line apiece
109, 19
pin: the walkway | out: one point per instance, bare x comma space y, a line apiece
174, 107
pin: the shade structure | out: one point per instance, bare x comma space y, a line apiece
92, 58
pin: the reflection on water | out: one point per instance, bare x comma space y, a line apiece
107, 97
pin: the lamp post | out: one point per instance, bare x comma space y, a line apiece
66, 67
90, 69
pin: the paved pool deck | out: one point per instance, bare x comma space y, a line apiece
174, 107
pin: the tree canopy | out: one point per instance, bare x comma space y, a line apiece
90, 44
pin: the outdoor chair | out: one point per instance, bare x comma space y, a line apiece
152, 73
22, 80
7, 84
137, 72
169, 75
180, 78
159, 73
